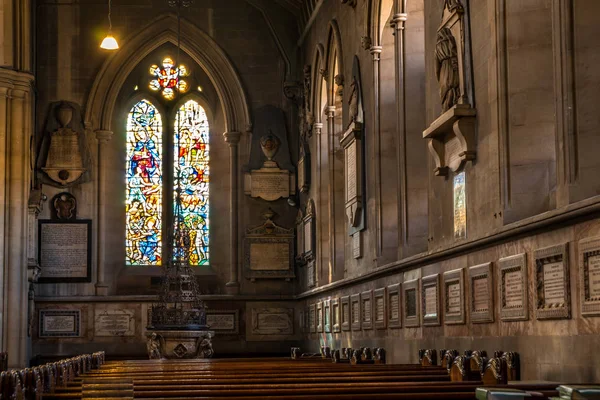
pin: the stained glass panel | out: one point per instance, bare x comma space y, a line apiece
144, 185
192, 177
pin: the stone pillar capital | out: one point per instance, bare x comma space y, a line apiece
233, 138
399, 20
318, 127
376, 51
103, 136
330, 111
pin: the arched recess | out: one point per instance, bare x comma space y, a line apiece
197, 44
378, 12
335, 124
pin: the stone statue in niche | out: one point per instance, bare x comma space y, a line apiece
153, 347
64, 207
353, 102
205, 349
339, 91
446, 68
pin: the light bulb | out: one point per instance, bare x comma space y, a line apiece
109, 43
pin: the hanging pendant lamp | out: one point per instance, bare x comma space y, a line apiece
109, 42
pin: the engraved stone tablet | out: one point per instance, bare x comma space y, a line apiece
59, 323
119, 322
356, 245
454, 298
589, 276
454, 305
355, 316
223, 321
272, 321
394, 303
411, 302
379, 307
430, 299
270, 183
480, 294
345, 312
312, 319
269, 256
513, 288
552, 283
481, 299
65, 251
351, 176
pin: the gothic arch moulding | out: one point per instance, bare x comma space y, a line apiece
319, 69
197, 44
377, 13
334, 55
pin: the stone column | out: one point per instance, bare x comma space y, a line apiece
15, 135
398, 23
103, 138
376, 53
233, 138
317, 130
330, 112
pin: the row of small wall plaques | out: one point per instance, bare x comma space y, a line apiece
418, 301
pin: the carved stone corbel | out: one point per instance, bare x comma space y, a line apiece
451, 137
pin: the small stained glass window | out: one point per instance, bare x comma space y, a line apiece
191, 150
143, 185
167, 78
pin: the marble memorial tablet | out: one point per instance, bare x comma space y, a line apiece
589, 276
454, 294
59, 323
351, 176
320, 316
345, 313
481, 300
355, 316
327, 315
454, 303
335, 313
119, 322
226, 321
312, 318
65, 253
366, 299
430, 299
552, 283
269, 256
513, 288
394, 312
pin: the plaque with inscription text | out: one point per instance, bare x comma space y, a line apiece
411, 303
118, 322
430, 299
379, 302
480, 298
223, 321
59, 323
366, 299
589, 276
269, 256
65, 251
269, 252
552, 283
394, 310
513, 296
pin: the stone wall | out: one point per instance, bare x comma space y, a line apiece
526, 189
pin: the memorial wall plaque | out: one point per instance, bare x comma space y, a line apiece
269, 251
277, 322
379, 303
311, 274
355, 315
312, 318
345, 312
430, 293
366, 301
309, 230
454, 303
118, 322
481, 301
270, 183
589, 276
59, 323
513, 294
394, 309
320, 316
411, 303
552, 283
224, 322
65, 251
335, 315
356, 245
327, 316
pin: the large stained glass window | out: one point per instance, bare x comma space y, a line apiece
192, 177
144, 185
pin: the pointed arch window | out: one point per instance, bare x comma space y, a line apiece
147, 146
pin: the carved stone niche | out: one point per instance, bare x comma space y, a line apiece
451, 137
351, 141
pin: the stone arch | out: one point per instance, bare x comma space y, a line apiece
197, 44
319, 63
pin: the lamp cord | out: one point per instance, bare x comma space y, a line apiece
109, 19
